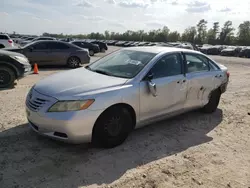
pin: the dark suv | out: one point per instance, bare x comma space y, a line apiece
12, 66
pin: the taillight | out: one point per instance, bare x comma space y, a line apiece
10, 41
228, 74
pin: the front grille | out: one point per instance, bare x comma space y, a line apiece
35, 101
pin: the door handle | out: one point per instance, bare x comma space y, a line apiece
218, 76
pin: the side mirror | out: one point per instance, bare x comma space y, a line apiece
151, 85
150, 76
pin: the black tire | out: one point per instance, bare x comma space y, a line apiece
73, 62
112, 127
103, 50
2, 46
213, 103
91, 53
7, 77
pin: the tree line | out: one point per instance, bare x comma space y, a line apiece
199, 34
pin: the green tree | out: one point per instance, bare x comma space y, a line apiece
189, 35
212, 34
244, 33
202, 31
226, 32
174, 36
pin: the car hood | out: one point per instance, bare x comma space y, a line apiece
9, 53
13, 49
75, 83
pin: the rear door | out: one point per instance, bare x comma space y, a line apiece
59, 53
200, 78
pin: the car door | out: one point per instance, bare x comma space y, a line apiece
59, 53
38, 53
171, 88
200, 79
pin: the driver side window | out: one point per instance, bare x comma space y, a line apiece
40, 46
169, 65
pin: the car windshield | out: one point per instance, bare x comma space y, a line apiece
123, 63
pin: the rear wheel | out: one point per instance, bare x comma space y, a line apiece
91, 52
73, 62
112, 127
213, 103
7, 77
1, 46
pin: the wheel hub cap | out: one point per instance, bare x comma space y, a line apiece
113, 127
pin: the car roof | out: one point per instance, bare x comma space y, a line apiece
160, 49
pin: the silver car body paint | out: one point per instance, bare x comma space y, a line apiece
175, 95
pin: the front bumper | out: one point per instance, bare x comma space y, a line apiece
73, 127
26, 70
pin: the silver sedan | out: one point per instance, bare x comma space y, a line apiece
130, 88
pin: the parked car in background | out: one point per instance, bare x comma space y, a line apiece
245, 52
93, 48
205, 48
214, 50
120, 43
12, 66
129, 88
102, 45
229, 51
5, 41
67, 39
26, 41
21, 38
53, 53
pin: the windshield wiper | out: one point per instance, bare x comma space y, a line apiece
87, 67
103, 72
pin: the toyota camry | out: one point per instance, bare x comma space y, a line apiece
127, 89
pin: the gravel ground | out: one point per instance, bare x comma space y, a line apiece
191, 150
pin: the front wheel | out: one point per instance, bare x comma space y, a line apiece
7, 77
112, 127
213, 102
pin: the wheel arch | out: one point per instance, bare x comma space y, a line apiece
121, 105
4, 64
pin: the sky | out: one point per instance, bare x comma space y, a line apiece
85, 16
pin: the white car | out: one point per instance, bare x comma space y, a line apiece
5, 41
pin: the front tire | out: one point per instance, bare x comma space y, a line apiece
73, 62
112, 127
7, 77
213, 102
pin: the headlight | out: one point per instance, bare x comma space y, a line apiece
64, 106
20, 59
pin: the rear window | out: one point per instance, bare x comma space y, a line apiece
6, 37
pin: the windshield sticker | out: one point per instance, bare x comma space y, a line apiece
134, 62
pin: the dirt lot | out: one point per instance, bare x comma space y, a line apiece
191, 150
